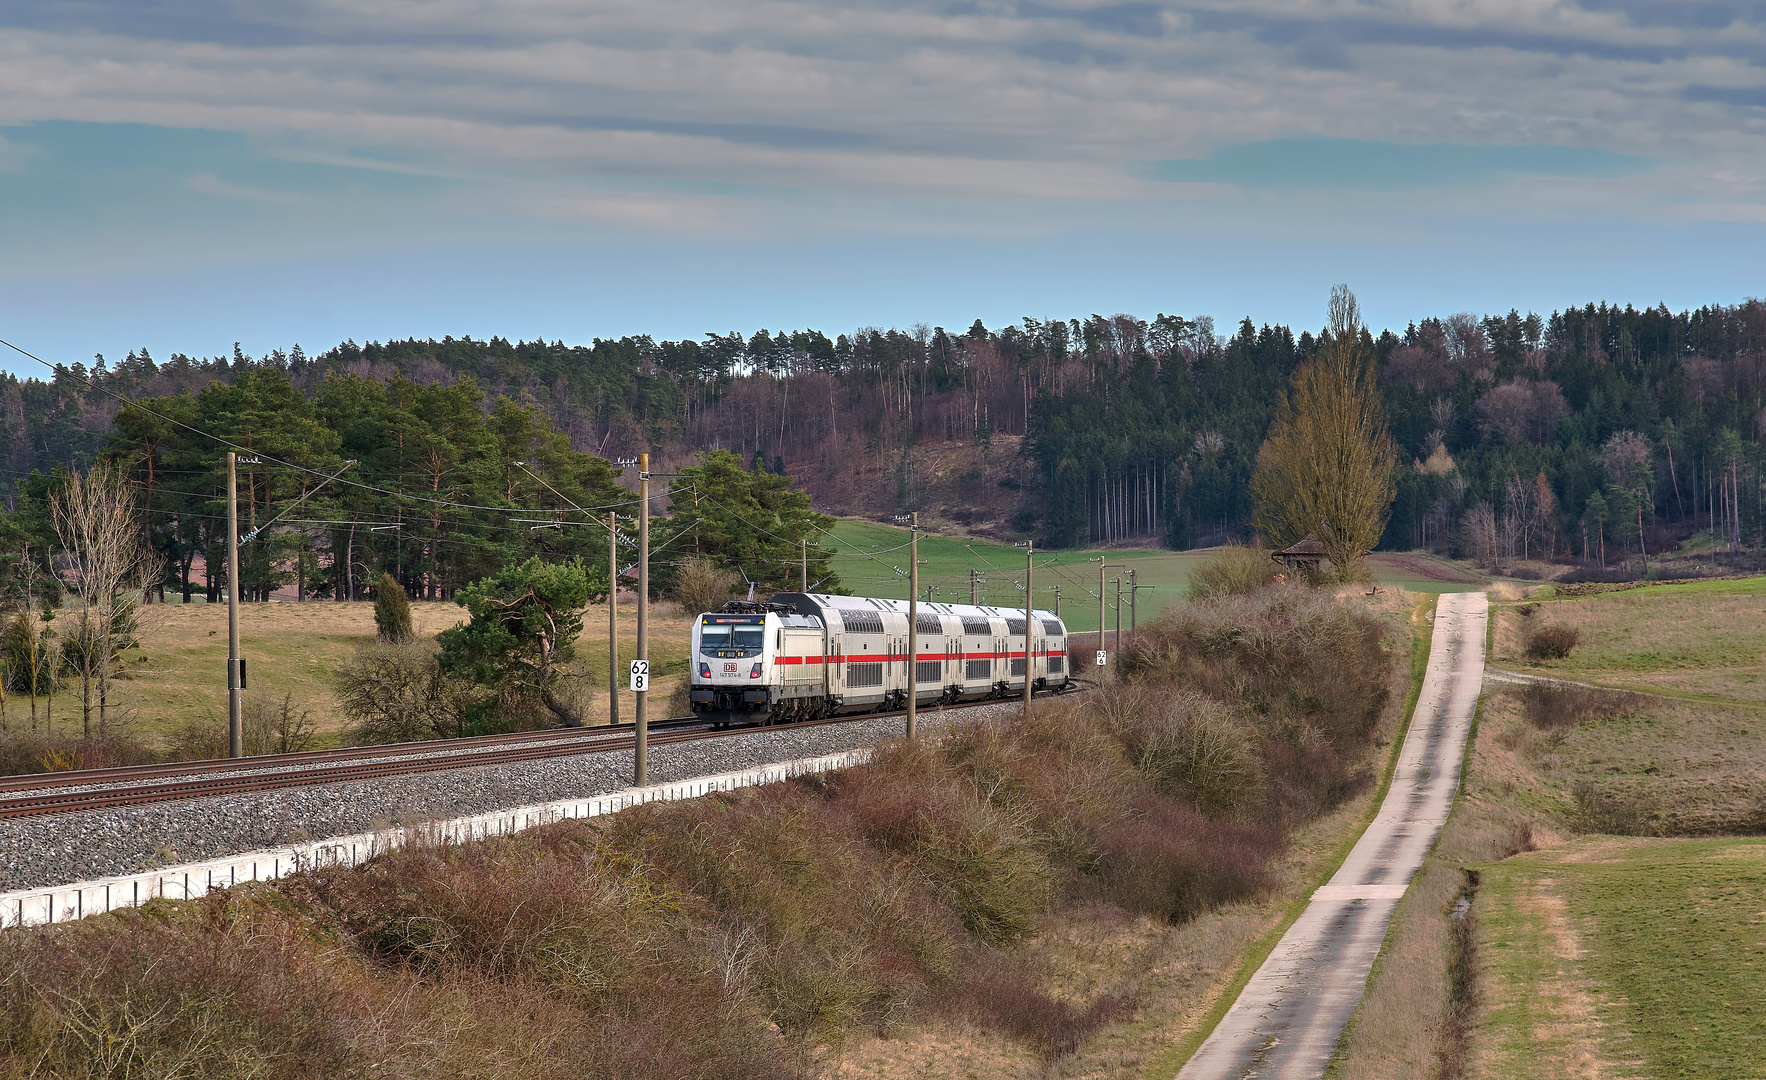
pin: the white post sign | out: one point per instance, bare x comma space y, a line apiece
1100, 659
640, 676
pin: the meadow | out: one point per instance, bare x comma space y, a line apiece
1624, 957
872, 560
1704, 640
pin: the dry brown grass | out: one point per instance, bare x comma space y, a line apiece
176, 681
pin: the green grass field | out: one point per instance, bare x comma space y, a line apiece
872, 560
1633, 956
1702, 639
869, 556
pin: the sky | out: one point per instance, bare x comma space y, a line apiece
180, 175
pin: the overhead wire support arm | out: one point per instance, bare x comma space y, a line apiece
248, 537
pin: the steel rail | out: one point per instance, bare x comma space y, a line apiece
234, 781
462, 744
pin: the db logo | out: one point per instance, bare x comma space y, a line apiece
729, 669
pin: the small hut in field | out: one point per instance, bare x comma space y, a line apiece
1304, 557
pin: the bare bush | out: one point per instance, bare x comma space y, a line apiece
398, 693
1233, 570
1551, 642
276, 727
702, 585
1195, 749
105, 554
1552, 708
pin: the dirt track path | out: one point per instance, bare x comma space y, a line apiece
1286, 1022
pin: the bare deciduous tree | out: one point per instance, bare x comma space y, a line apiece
1479, 524
102, 556
1327, 465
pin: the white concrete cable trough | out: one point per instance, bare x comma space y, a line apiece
64, 903
1287, 1021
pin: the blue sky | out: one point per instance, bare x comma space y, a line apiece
185, 174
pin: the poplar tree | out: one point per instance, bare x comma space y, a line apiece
1327, 466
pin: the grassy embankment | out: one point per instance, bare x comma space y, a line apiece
1601, 939
1086, 880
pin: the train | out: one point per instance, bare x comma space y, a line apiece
804, 656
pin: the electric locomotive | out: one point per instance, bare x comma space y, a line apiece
801, 656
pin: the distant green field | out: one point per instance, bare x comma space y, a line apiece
872, 560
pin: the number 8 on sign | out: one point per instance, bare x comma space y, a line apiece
640, 676
1101, 658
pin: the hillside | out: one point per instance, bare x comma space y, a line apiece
1596, 432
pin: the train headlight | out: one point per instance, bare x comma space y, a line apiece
754, 672
704, 670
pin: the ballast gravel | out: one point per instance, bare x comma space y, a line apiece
58, 849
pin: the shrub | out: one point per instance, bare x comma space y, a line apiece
1169, 861
28, 753
392, 611
1551, 642
1618, 808
198, 740
397, 693
1551, 708
1195, 749
702, 585
1233, 570
275, 727
1003, 991
28, 653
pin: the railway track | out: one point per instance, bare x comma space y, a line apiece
48, 793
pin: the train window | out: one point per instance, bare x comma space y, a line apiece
974, 624
1015, 627
1057, 664
861, 622
978, 669
860, 675
1051, 628
929, 624
748, 637
712, 636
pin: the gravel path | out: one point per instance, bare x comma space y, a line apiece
58, 849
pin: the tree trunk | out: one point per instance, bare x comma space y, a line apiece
563, 712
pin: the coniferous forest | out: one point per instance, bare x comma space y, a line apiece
1580, 435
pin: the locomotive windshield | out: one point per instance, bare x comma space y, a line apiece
726, 639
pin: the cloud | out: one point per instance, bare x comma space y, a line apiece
210, 184
1352, 163
1045, 98
676, 214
